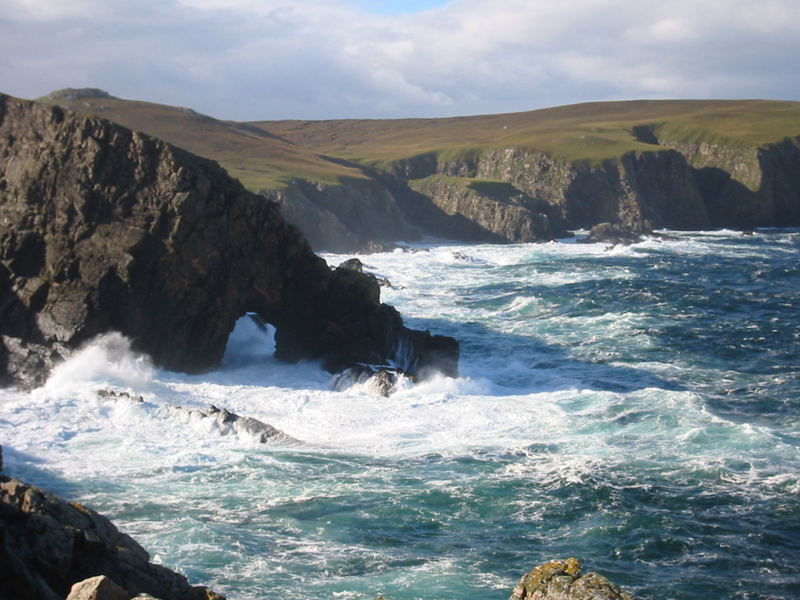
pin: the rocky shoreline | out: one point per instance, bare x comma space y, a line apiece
47, 545
51, 549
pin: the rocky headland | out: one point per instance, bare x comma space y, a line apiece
105, 229
516, 195
355, 185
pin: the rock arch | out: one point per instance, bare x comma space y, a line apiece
108, 229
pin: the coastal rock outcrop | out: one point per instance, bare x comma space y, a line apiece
48, 545
562, 580
225, 421
353, 216
381, 379
98, 588
615, 234
519, 195
491, 211
105, 229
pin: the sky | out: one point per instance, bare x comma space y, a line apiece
322, 59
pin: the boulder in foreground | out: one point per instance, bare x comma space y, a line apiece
49, 544
562, 580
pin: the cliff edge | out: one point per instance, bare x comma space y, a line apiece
107, 229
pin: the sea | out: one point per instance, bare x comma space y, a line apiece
636, 407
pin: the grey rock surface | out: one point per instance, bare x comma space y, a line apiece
99, 587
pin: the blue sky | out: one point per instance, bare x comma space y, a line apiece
396, 7
316, 59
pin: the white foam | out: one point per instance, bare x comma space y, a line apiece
107, 358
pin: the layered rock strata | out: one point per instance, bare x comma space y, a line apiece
675, 186
106, 229
517, 195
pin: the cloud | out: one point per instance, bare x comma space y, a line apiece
261, 59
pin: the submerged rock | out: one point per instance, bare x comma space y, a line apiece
110, 394
383, 379
227, 422
615, 234
562, 580
49, 544
105, 229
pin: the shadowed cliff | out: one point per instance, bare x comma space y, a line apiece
107, 229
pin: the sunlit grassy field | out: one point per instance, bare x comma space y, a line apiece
269, 154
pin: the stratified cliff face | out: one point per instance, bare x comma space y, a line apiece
675, 186
746, 187
484, 211
657, 187
106, 229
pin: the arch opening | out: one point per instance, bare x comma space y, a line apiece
251, 342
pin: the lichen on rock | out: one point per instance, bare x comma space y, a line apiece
562, 580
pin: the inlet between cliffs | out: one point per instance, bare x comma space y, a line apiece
636, 406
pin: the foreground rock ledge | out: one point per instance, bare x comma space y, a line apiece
48, 544
105, 229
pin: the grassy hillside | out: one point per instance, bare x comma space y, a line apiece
257, 158
594, 131
267, 154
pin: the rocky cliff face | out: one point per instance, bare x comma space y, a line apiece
48, 544
675, 186
493, 212
655, 187
345, 217
106, 229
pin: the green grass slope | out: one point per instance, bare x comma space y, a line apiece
594, 131
257, 158
269, 154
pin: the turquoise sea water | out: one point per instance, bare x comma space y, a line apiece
634, 407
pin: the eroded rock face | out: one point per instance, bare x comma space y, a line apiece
353, 216
107, 229
562, 580
49, 544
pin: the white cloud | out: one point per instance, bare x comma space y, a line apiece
248, 59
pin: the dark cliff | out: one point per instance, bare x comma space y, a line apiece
674, 186
516, 195
49, 544
350, 216
107, 229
